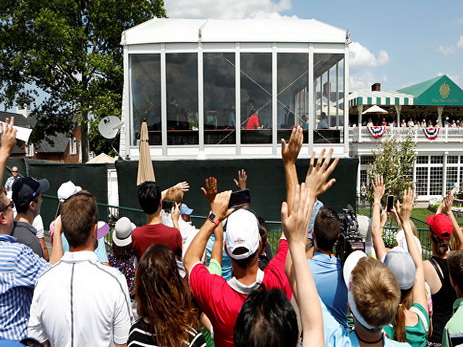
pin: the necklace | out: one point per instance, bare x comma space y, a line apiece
369, 342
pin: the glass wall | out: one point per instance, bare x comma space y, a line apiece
329, 93
182, 98
256, 97
219, 98
146, 95
292, 82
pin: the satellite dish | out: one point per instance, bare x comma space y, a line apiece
110, 126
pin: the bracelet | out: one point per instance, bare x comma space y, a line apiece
377, 203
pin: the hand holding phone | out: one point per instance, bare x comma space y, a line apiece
239, 199
390, 203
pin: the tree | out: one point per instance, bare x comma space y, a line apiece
393, 159
70, 50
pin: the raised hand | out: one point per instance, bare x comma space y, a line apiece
378, 188
317, 176
290, 150
242, 179
296, 224
211, 189
8, 136
407, 205
219, 205
184, 186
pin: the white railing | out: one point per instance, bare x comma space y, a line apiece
446, 134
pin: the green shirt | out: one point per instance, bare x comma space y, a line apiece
455, 324
417, 334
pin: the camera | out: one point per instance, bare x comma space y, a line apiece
349, 238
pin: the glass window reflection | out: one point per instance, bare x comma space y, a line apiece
293, 79
219, 98
146, 95
256, 97
182, 98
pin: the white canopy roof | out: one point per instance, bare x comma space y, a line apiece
160, 30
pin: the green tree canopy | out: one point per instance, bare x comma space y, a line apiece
70, 50
393, 159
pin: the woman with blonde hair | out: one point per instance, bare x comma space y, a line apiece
167, 315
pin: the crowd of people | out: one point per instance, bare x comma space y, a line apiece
410, 122
167, 283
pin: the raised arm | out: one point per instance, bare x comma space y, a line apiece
242, 179
184, 187
419, 294
295, 228
376, 229
57, 247
458, 234
8, 142
289, 154
219, 208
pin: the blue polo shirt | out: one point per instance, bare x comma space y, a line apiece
327, 273
20, 269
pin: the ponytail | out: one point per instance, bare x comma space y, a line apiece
399, 320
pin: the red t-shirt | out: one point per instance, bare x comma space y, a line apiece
222, 304
253, 122
146, 235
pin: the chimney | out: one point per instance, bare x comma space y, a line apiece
376, 87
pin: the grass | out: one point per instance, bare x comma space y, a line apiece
417, 213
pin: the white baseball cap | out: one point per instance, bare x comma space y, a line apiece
66, 190
242, 232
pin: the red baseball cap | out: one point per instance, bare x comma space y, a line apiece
441, 225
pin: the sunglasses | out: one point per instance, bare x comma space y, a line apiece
11, 204
14, 171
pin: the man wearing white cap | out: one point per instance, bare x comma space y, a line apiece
220, 300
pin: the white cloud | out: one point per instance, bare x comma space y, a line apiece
226, 9
460, 42
446, 50
360, 56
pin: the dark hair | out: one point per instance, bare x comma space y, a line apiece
22, 208
149, 196
122, 252
163, 297
263, 232
266, 318
246, 262
455, 262
441, 246
327, 227
79, 214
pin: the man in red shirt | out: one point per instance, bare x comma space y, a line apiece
253, 122
220, 300
149, 197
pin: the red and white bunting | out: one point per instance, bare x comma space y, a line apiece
377, 132
431, 133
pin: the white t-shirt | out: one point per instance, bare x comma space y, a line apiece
80, 302
38, 225
402, 242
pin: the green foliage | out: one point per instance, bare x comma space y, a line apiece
71, 51
393, 159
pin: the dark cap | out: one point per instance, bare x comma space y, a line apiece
26, 189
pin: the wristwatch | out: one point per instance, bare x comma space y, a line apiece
213, 218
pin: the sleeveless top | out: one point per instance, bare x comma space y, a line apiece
442, 301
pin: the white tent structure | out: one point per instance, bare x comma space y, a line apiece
197, 82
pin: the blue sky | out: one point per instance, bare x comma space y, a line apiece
396, 43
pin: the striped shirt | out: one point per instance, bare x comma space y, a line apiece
20, 269
140, 337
